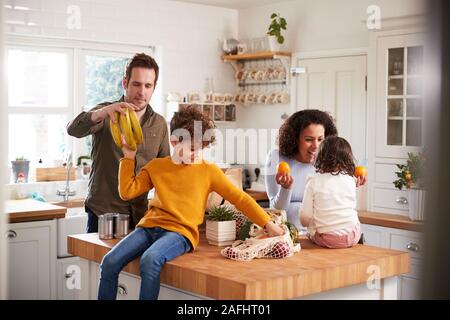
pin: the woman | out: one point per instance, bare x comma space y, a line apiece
299, 139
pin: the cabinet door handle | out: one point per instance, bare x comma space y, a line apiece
11, 234
414, 247
401, 200
69, 275
122, 290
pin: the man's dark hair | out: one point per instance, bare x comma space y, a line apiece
335, 156
185, 118
291, 129
141, 60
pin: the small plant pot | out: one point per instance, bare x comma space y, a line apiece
220, 233
273, 44
20, 166
416, 202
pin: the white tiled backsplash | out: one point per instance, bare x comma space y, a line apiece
45, 189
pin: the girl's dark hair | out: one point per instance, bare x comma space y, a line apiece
335, 156
186, 118
291, 129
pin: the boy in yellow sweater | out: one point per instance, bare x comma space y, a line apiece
182, 184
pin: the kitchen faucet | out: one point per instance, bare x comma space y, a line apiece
66, 192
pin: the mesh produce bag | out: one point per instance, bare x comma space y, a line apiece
261, 246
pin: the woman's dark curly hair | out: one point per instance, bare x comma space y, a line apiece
186, 118
335, 156
291, 129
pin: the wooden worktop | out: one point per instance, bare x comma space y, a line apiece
390, 221
312, 270
32, 210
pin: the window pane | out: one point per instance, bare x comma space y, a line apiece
413, 132
38, 78
395, 58
394, 132
414, 107
395, 107
37, 136
415, 60
103, 79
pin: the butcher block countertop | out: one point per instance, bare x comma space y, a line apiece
390, 221
312, 270
32, 210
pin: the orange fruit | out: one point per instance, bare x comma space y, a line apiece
360, 171
283, 167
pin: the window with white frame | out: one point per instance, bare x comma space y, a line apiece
39, 101
49, 83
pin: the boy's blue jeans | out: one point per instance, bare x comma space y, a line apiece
156, 246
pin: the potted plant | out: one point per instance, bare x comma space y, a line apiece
20, 168
84, 164
277, 24
410, 176
220, 226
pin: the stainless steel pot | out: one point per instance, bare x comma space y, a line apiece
121, 228
106, 226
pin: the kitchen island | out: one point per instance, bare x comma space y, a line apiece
361, 272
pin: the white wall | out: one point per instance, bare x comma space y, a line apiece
314, 25
3, 151
186, 34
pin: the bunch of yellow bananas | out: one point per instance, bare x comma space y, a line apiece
129, 126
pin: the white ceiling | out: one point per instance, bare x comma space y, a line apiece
234, 4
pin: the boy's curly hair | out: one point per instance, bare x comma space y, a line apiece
291, 129
186, 118
335, 156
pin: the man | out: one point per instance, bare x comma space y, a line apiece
141, 76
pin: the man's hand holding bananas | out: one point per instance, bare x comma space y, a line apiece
108, 111
126, 124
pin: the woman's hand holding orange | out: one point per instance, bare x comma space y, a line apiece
284, 180
361, 180
283, 176
361, 175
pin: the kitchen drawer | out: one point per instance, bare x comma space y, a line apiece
390, 199
409, 288
416, 269
373, 235
128, 287
170, 293
409, 243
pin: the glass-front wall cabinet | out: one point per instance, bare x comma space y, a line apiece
404, 96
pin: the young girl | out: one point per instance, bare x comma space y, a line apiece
182, 184
329, 200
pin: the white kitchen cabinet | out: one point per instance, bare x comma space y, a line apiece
374, 236
128, 284
396, 109
400, 106
404, 240
32, 260
129, 287
73, 277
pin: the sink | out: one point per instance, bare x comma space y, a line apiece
72, 203
74, 223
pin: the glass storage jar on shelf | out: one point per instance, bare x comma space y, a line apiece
262, 77
218, 111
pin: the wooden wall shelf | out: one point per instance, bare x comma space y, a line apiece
256, 55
